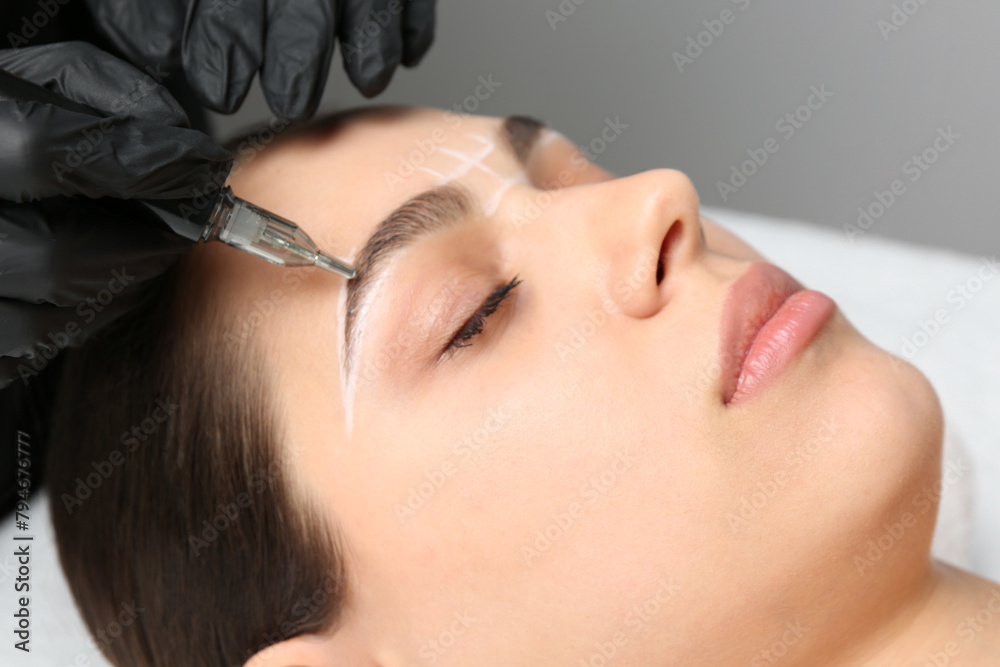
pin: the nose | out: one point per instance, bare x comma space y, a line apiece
648, 229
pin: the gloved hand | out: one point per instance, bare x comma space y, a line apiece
68, 264
221, 44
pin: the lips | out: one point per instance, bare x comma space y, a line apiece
767, 319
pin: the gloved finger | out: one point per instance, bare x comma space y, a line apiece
70, 267
299, 46
371, 41
85, 74
78, 252
47, 151
147, 33
222, 49
32, 334
27, 331
418, 30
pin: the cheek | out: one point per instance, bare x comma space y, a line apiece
552, 466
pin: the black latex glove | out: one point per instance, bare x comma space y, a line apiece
63, 255
222, 44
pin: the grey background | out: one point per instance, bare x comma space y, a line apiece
615, 59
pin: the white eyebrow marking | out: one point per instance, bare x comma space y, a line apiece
347, 384
493, 203
469, 161
349, 380
548, 136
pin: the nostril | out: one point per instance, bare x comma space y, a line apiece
661, 264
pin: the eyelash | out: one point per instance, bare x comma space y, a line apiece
474, 326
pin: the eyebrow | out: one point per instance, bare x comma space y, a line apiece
426, 213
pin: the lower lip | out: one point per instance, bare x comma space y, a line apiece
789, 331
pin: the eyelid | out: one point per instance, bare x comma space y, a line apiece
457, 299
486, 312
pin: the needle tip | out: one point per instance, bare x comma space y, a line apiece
335, 265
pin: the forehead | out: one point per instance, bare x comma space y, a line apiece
338, 182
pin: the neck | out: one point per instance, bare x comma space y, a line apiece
952, 618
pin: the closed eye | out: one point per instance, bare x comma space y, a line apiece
475, 324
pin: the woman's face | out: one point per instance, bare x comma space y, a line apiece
559, 477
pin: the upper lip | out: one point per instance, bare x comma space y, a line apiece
752, 300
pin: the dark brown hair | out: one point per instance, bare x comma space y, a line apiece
179, 529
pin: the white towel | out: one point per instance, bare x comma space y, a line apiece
953, 535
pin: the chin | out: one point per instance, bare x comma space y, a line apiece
898, 407
885, 475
